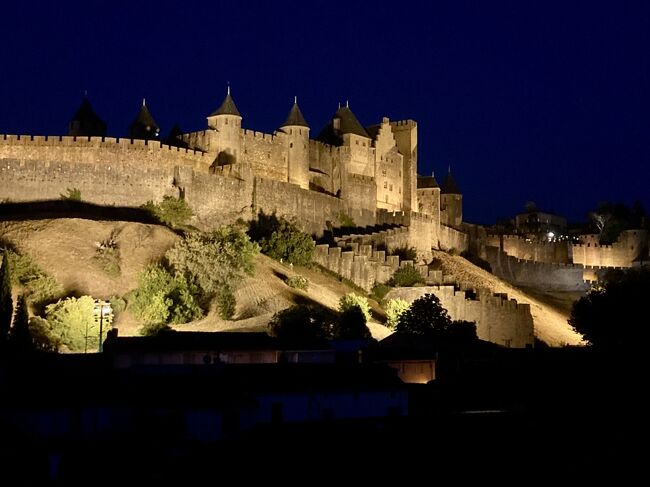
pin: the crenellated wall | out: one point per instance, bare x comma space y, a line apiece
389, 239
541, 275
498, 319
266, 153
365, 266
526, 249
621, 253
450, 238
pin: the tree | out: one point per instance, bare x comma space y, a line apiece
301, 323
163, 298
394, 309
614, 314
351, 300
214, 260
351, 325
287, 243
43, 337
73, 323
425, 317
6, 303
20, 338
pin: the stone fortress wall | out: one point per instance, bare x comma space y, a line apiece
498, 319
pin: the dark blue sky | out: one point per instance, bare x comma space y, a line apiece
537, 101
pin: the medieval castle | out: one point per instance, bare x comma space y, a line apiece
347, 173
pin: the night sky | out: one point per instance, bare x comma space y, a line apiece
538, 101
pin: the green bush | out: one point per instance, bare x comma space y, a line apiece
406, 276
41, 288
298, 282
301, 323
351, 325
394, 309
43, 336
214, 260
404, 253
72, 194
288, 244
170, 211
226, 304
379, 291
352, 300
163, 298
118, 304
152, 329
73, 324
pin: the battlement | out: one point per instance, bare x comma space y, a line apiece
253, 134
403, 124
73, 141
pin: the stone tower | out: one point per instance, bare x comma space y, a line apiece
297, 146
144, 126
406, 138
451, 202
226, 121
86, 122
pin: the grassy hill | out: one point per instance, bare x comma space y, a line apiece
69, 250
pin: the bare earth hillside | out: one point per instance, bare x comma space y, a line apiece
550, 322
67, 249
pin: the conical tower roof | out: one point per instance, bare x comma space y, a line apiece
347, 124
449, 186
228, 107
144, 126
295, 117
427, 182
86, 122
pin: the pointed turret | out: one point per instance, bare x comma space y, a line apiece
295, 117
449, 185
86, 122
451, 202
227, 107
342, 123
297, 140
144, 126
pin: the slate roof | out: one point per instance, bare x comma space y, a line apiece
348, 124
427, 182
449, 186
295, 117
87, 121
228, 107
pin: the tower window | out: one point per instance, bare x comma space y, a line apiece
226, 121
391, 187
291, 145
385, 184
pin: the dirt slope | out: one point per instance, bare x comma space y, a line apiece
66, 249
550, 321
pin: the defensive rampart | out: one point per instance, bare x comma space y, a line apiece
498, 319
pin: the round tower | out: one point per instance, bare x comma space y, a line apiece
297, 149
226, 120
451, 202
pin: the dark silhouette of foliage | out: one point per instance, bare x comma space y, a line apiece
20, 338
615, 313
425, 317
43, 337
301, 324
263, 227
462, 330
406, 276
6, 303
610, 219
351, 325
